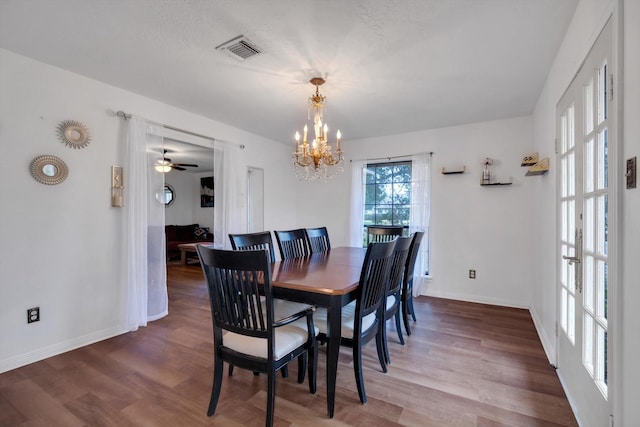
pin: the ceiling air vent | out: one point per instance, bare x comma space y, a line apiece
240, 48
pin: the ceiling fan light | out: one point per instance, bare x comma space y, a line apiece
163, 167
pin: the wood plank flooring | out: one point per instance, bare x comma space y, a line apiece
465, 365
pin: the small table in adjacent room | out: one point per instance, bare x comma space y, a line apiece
187, 251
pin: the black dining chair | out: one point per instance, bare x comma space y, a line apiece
253, 241
292, 243
363, 319
393, 300
248, 331
318, 239
383, 233
407, 281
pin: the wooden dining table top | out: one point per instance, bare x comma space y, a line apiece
335, 272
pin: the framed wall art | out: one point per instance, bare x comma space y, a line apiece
206, 192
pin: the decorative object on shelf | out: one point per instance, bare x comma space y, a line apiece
49, 170
539, 168
74, 134
455, 171
317, 161
530, 160
117, 187
486, 174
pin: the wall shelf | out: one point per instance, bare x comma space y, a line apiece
453, 172
540, 168
495, 183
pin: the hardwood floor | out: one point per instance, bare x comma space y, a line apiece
464, 365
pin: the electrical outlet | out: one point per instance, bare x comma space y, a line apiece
33, 314
472, 274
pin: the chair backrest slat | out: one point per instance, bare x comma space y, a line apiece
400, 255
236, 280
252, 242
383, 233
292, 243
374, 277
413, 253
318, 239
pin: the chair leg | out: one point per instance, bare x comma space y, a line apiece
399, 327
218, 368
313, 368
381, 347
411, 310
357, 369
271, 397
302, 365
405, 316
230, 369
285, 371
385, 346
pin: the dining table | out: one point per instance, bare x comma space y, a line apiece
325, 279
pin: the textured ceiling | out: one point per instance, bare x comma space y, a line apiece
392, 66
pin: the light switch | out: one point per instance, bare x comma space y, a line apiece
631, 172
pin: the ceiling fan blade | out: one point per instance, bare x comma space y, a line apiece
176, 167
186, 164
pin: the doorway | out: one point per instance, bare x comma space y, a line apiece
255, 199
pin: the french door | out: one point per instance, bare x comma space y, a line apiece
584, 145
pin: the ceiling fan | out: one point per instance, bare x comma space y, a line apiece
165, 165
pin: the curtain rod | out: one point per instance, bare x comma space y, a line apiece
127, 116
430, 153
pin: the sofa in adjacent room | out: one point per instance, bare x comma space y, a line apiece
178, 234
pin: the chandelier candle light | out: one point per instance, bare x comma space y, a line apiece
317, 161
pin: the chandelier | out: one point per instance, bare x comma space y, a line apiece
316, 161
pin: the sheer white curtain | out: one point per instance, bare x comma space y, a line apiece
420, 212
144, 253
229, 215
358, 171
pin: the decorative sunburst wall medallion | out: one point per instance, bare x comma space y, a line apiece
74, 134
49, 170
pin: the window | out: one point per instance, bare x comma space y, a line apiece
387, 199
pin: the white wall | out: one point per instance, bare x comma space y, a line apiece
472, 227
59, 244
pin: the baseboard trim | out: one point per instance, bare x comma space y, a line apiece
475, 298
59, 348
569, 398
547, 344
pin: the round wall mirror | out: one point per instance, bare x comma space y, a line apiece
49, 170
74, 134
166, 196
